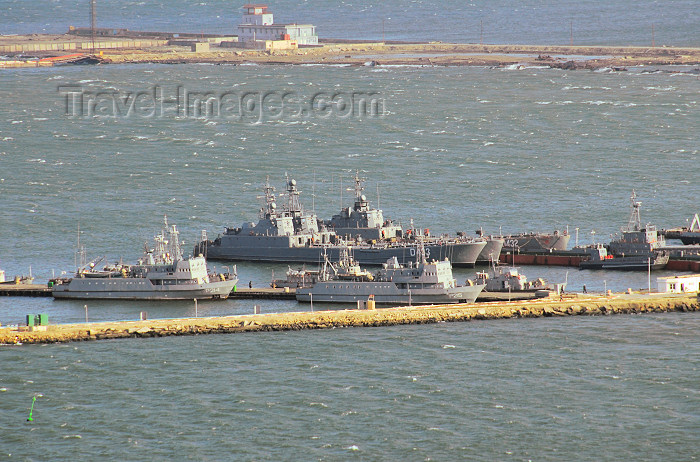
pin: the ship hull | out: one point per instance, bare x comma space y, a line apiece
459, 254
690, 239
536, 242
491, 252
140, 289
385, 293
685, 236
626, 264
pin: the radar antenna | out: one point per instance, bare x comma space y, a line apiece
269, 210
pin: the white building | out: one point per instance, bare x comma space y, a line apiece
258, 24
679, 284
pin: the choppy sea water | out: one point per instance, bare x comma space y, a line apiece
453, 149
534, 389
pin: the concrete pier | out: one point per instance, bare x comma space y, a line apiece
255, 293
571, 305
25, 290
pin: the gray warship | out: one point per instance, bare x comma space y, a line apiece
637, 249
161, 274
293, 235
421, 283
502, 278
362, 222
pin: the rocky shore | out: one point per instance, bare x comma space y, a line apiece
572, 305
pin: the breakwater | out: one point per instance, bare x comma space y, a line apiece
569, 306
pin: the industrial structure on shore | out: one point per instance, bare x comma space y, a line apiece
258, 25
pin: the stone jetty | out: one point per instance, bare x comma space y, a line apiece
571, 305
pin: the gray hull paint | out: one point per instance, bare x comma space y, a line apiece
690, 238
385, 293
537, 242
491, 252
140, 289
626, 263
461, 254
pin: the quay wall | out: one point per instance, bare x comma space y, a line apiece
540, 259
683, 265
569, 306
73, 46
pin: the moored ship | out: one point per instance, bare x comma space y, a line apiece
599, 258
491, 251
420, 283
536, 242
293, 235
362, 222
161, 274
501, 278
638, 248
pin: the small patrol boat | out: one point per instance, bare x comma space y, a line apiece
637, 249
161, 274
421, 283
501, 278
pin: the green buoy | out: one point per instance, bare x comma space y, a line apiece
29, 419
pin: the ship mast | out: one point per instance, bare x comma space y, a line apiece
360, 200
80, 254
358, 185
174, 241
420, 251
635, 221
293, 204
269, 210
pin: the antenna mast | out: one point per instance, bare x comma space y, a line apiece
635, 222
93, 22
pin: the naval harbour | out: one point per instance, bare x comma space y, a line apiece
532, 142
585, 306
335, 243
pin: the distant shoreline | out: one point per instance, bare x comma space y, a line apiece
353, 53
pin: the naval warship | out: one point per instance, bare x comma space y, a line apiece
293, 235
421, 283
161, 274
503, 278
362, 222
638, 248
